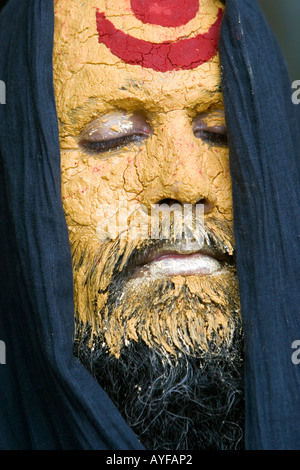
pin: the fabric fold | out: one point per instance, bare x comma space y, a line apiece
263, 132
52, 402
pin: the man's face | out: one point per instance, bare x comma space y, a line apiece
143, 152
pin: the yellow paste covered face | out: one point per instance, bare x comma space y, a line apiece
141, 123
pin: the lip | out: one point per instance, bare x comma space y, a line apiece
185, 260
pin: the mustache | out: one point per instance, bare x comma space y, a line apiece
108, 297
213, 238
116, 259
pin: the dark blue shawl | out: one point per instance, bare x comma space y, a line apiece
48, 399
264, 142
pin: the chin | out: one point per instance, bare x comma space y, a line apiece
173, 402
167, 349
171, 359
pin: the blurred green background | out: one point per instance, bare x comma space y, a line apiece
284, 18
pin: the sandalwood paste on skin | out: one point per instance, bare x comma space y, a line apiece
101, 97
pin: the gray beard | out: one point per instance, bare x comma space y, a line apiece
188, 401
169, 355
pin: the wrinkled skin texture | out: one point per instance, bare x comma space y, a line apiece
173, 156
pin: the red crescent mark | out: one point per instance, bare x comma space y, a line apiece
170, 13
185, 54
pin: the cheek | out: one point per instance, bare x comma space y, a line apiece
90, 184
216, 163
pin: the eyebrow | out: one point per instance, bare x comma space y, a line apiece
95, 107
93, 103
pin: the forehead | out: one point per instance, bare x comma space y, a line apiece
87, 68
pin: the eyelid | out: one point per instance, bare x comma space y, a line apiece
115, 126
213, 122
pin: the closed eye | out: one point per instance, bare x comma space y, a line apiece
102, 146
112, 132
212, 138
211, 128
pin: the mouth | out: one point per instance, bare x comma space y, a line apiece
184, 260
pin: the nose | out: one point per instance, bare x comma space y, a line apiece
173, 169
168, 202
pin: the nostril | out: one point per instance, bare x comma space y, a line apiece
207, 203
169, 203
